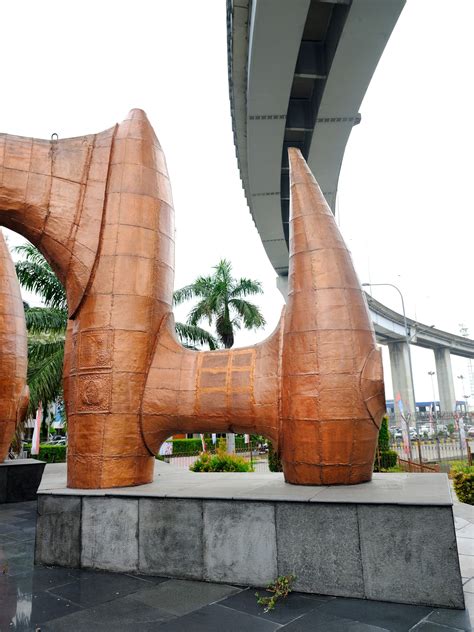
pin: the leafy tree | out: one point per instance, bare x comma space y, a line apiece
46, 327
222, 299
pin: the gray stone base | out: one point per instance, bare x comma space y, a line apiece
20, 479
343, 542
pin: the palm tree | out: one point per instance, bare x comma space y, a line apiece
46, 327
222, 299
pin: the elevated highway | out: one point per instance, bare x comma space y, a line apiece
298, 72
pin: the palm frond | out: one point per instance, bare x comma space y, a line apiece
183, 294
249, 312
45, 376
246, 287
45, 319
200, 312
41, 348
36, 275
192, 335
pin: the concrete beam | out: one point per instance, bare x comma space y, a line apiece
402, 378
444, 374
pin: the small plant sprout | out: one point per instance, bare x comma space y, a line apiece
281, 588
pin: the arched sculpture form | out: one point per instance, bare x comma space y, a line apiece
100, 209
14, 394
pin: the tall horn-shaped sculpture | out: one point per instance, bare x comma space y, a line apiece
14, 393
332, 398
100, 209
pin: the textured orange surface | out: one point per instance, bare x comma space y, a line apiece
332, 395
13, 352
100, 209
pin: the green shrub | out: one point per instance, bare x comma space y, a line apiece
50, 453
274, 463
384, 435
388, 460
464, 486
385, 459
220, 462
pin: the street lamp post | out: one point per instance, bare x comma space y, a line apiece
407, 338
461, 420
461, 377
431, 374
438, 449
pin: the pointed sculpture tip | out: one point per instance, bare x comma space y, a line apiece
137, 114
300, 173
299, 170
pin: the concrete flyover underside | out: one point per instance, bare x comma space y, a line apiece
298, 71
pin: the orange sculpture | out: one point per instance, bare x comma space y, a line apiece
14, 394
99, 208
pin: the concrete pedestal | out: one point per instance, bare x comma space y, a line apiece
392, 539
20, 479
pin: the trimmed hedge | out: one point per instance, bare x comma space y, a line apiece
194, 446
463, 476
186, 446
50, 453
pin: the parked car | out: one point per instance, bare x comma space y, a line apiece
426, 430
413, 434
60, 441
470, 431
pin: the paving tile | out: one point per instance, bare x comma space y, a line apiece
429, 626
466, 562
92, 589
44, 578
153, 579
25, 533
217, 618
466, 532
7, 527
393, 616
459, 523
6, 538
461, 619
16, 566
12, 549
317, 620
123, 614
465, 546
469, 585
179, 597
37, 609
295, 605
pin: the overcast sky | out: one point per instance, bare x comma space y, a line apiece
404, 202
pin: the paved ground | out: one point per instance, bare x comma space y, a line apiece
58, 599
